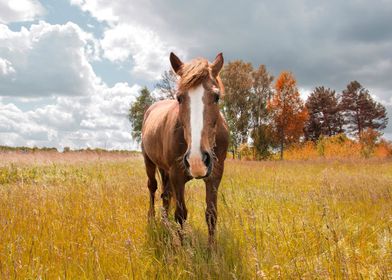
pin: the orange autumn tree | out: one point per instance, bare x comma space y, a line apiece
287, 111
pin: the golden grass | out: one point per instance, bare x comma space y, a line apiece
277, 220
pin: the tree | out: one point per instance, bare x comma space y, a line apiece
260, 95
137, 110
288, 114
361, 111
262, 138
237, 78
167, 85
368, 139
325, 117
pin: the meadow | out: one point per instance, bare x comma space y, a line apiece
84, 216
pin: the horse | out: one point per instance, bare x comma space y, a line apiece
187, 138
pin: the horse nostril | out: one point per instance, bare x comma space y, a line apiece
206, 159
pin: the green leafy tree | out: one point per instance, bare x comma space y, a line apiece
137, 110
237, 79
259, 97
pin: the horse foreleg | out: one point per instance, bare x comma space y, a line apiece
181, 212
178, 187
151, 184
166, 194
212, 185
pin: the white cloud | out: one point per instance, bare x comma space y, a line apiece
148, 52
101, 119
6, 67
96, 9
20, 10
48, 59
131, 38
13, 120
304, 93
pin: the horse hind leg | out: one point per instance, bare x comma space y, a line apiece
151, 184
166, 193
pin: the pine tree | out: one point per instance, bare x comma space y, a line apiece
361, 111
325, 117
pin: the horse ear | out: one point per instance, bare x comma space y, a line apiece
217, 65
175, 62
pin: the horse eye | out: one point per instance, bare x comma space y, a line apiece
216, 98
179, 99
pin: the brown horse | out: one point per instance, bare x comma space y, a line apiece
187, 138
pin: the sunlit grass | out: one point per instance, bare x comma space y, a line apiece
321, 219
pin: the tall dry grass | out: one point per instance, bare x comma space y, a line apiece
277, 220
339, 147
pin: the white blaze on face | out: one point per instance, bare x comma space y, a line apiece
196, 112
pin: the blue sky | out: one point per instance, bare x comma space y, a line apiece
69, 70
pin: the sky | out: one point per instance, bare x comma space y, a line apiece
70, 69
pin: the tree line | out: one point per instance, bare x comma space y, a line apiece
270, 115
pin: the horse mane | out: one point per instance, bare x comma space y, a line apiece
193, 74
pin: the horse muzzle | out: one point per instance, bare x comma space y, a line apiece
198, 167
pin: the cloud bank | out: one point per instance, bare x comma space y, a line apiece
50, 64
51, 94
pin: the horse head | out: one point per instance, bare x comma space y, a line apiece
198, 95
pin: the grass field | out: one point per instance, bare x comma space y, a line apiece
85, 217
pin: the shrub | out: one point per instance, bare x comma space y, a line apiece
383, 149
368, 139
338, 146
246, 152
305, 151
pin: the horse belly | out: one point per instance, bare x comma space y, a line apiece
152, 148
156, 138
